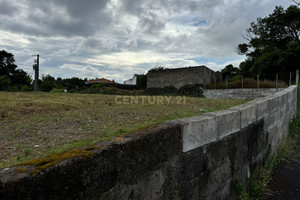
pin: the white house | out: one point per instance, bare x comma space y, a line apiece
131, 81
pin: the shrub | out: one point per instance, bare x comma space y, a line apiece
154, 91
25, 88
170, 90
191, 90
47, 86
158, 68
13, 88
57, 90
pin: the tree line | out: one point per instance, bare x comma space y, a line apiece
14, 79
272, 47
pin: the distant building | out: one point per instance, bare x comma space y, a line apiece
101, 80
132, 81
179, 77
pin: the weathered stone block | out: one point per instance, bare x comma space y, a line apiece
262, 107
198, 131
273, 103
248, 112
228, 122
271, 119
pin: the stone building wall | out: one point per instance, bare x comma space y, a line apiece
180, 76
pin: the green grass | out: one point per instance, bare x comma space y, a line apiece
37, 124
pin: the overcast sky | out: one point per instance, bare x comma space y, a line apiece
118, 38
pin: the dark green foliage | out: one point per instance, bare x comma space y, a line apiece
11, 78
47, 86
187, 90
229, 72
5, 82
20, 78
274, 45
48, 83
169, 90
25, 88
159, 68
7, 66
191, 90
295, 124
154, 91
141, 82
73, 83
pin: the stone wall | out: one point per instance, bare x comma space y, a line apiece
246, 93
180, 76
192, 158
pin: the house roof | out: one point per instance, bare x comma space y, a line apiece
100, 80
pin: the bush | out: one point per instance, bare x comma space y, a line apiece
158, 68
47, 86
170, 90
191, 90
25, 88
13, 88
57, 90
154, 91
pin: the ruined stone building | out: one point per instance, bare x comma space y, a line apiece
181, 76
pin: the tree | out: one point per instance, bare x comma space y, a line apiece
273, 44
20, 77
48, 83
73, 83
7, 66
229, 71
10, 76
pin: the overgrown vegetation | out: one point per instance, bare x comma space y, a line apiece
195, 90
262, 175
158, 68
37, 124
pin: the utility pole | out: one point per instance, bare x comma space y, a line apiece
36, 70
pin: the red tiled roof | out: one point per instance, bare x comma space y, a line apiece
101, 80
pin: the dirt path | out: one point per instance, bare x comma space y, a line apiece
285, 183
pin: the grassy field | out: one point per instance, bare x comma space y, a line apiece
33, 125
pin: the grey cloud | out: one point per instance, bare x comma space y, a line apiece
98, 45
134, 7
7, 9
150, 24
67, 18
